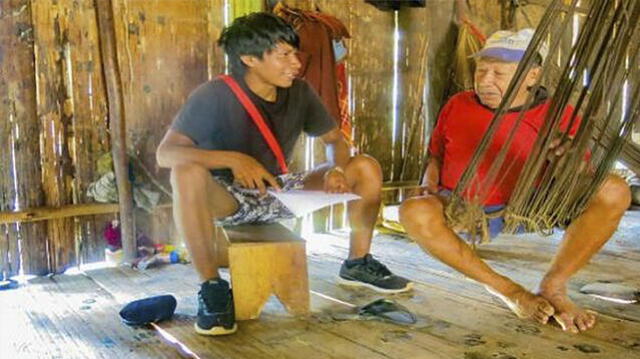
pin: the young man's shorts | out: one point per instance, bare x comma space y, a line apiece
254, 207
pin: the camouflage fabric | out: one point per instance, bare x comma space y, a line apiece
256, 208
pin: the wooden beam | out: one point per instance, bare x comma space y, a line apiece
113, 83
44, 213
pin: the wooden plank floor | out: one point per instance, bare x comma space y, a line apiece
76, 315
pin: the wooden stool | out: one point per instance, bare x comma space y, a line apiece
264, 260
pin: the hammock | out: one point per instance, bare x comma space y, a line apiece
600, 78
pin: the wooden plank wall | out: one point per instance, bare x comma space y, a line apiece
166, 48
371, 79
54, 107
89, 124
427, 55
19, 144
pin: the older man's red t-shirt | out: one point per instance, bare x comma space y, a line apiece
461, 125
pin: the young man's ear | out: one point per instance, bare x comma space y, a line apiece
249, 60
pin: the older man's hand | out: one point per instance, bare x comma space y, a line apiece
558, 147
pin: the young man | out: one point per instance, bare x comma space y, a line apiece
460, 128
218, 159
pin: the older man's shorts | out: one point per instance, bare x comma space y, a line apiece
495, 224
254, 207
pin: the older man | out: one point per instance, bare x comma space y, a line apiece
460, 128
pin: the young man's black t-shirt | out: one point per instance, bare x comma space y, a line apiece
214, 119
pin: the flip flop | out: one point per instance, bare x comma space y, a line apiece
382, 309
613, 292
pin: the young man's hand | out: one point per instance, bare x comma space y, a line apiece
251, 174
335, 181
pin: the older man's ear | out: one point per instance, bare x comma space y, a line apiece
533, 76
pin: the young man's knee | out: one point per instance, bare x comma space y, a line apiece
615, 194
425, 212
189, 177
366, 167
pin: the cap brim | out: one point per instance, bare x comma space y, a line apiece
507, 55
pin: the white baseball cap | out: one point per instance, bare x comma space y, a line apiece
510, 46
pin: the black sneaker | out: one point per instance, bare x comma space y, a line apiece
216, 314
368, 272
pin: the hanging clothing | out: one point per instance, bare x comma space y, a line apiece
317, 32
318, 66
392, 5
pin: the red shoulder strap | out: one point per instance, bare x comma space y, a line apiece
258, 120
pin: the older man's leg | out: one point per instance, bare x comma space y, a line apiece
424, 220
584, 238
197, 200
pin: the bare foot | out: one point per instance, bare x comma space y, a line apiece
525, 304
570, 317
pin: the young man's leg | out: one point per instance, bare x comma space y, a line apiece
364, 177
197, 200
584, 238
424, 220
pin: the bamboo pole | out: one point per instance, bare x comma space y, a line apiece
113, 83
72, 210
44, 213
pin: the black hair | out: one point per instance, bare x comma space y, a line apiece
254, 34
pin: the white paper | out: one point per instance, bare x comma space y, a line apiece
301, 202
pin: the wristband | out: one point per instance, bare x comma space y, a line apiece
334, 168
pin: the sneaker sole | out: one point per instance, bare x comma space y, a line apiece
355, 283
216, 330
